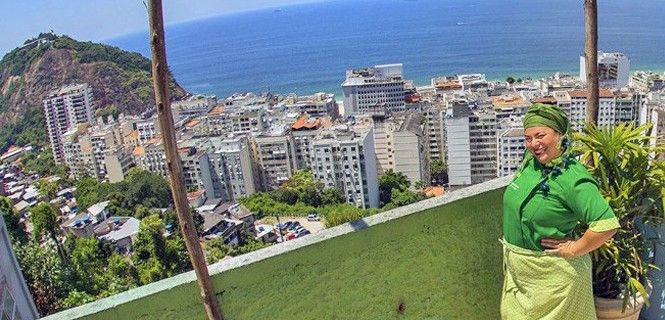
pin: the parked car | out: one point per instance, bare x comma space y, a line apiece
294, 225
313, 217
291, 236
299, 229
303, 233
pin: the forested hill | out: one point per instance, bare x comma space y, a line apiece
48, 62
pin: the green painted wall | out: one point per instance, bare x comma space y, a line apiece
442, 263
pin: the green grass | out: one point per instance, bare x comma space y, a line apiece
442, 263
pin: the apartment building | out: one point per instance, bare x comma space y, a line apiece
65, 109
409, 148
578, 104
344, 159
374, 90
613, 70
317, 105
274, 150
197, 171
510, 106
234, 165
510, 149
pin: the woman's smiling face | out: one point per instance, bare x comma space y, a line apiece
542, 142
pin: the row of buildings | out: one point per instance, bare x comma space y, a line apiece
245, 143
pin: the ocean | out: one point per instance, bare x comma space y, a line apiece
307, 48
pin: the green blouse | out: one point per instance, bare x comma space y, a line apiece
530, 213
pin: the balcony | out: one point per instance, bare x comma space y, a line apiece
436, 259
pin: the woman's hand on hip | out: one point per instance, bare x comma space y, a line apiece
561, 247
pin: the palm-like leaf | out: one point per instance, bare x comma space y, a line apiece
631, 176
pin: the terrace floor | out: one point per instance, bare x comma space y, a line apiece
437, 259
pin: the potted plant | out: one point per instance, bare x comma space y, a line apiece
631, 175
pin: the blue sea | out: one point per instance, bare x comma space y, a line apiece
307, 48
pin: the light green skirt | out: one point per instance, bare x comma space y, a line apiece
542, 286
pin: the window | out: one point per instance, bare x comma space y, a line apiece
8, 307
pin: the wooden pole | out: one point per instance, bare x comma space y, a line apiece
160, 83
591, 59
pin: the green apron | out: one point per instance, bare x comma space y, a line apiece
538, 285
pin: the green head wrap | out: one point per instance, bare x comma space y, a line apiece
540, 114
553, 117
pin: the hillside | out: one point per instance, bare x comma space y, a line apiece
48, 62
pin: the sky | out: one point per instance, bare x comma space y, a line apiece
95, 20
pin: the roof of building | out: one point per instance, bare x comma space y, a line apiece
603, 93
547, 100
211, 219
138, 151
126, 227
508, 100
434, 191
191, 196
13, 150
81, 218
134, 134
98, 207
21, 205
192, 123
217, 110
305, 122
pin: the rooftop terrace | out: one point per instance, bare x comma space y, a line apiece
439, 259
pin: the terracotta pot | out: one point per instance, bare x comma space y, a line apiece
610, 309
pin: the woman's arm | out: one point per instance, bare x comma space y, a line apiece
567, 248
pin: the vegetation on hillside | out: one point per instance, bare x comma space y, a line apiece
302, 195
120, 77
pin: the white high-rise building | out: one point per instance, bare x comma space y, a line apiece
64, 110
344, 159
459, 150
374, 90
232, 160
613, 70
409, 152
471, 143
510, 150
435, 114
275, 154
578, 104
482, 142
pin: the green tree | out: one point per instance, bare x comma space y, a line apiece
332, 196
391, 180
300, 187
146, 188
12, 221
439, 172
48, 189
76, 298
88, 261
87, 192
510, 80
154, 256
404, 197
45, 222
48, 279
141, 212
216, 250
120, 275
343, 213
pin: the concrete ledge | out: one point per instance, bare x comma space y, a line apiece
259, 255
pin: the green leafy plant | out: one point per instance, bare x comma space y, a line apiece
626, 163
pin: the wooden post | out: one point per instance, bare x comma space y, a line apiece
160, 83
591, 59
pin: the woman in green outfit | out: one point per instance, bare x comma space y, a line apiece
547, 273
